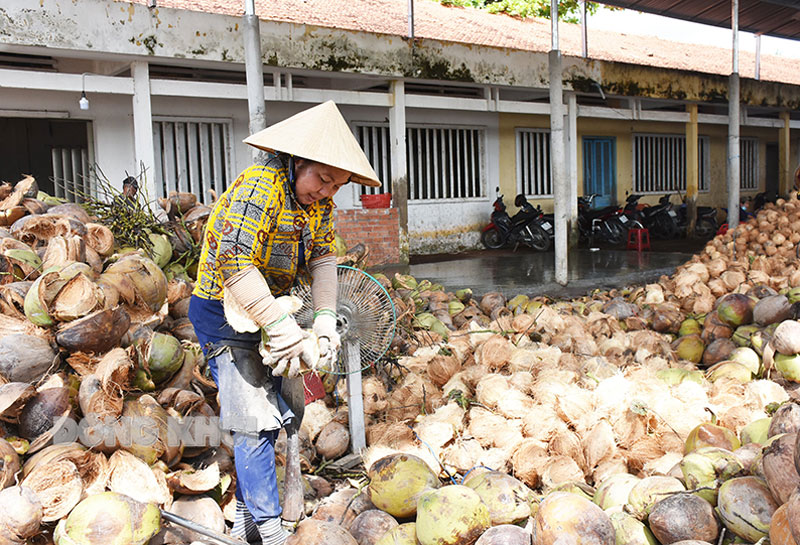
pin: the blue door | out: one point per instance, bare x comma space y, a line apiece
600, 169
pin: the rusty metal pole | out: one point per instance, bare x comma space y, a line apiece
560, 190
734, 159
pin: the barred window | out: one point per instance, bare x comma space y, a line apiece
192, 155
442, 162
533, 163
659, 163
748, 166
71, 175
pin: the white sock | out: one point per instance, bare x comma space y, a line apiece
244, 527
272, 532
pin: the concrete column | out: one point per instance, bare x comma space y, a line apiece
397, 137
758, 56
692, 168
573, 143
143, 131
557, 156
254, 74
584, 31
785, 174
734, 159
411, 18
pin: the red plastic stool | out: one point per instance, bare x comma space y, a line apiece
314, 389
638, 239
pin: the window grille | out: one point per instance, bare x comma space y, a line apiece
659, 163
71, 173
192, 156
442, 162
748, 166
533, 163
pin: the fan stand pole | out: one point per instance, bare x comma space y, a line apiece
355, 399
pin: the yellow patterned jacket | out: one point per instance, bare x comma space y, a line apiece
258, 221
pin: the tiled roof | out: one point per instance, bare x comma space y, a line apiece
473, 26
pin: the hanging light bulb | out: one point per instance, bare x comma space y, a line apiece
83, 103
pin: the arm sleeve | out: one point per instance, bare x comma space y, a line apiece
324, 282
251, 214
324, 236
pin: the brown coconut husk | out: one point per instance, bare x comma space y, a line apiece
434, 434
58, 486
395, 434
441, 368
491, 389
13, 397
9, 464
494, 354
131, 476
567, 443
599, 444
194, 481
528, 460
463, 455
332, 441
558, 470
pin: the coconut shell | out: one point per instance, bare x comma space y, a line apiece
683, 516
786, 338
13, 397
772, 309
9, 464
193, 482
77, 298
332, 441
98, 332
718, 350
371, 525
778, 461
785, 420
58, 486
25, 358
134, 478
780, 530
714, 328
43, 410
316, 532
22, 514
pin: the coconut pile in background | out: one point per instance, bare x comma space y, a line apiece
528, 414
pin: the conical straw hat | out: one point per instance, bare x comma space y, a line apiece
320, 134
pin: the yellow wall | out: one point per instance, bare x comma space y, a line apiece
623, 131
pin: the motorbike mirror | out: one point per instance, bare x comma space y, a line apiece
497, 189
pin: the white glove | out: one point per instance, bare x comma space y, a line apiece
329, 339
285, 347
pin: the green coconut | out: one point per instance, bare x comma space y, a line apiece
745, 506
756, 431
648, 491
709, 434
34, 307
742, 335
747, 357
629, 531
164, 357
161, 252
507, 498
451, 515
675, 375
405, 534
689, 348
690, 326
464, 295
729, 370
518, 303
569, 518
615, 490
708, 466
109, 518
396, 482
404, 281
788, 366
736, 309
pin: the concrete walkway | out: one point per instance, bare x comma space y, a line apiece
532, 273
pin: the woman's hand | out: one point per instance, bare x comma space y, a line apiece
329, 339
285, 346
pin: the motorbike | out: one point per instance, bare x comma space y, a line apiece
660, 219
527, 226
606, 224
706, 223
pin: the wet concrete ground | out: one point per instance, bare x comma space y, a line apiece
533, 273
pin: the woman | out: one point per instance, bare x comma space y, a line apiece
273, 224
